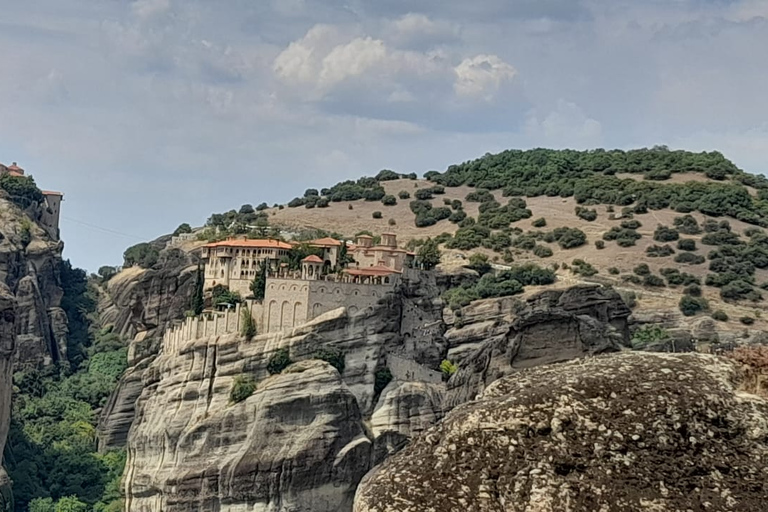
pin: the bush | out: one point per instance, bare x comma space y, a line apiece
377, 215
242, 387
659, 251
738, 290
539, 223
653, 280
721, 238
457, 216
689, 258
542, 251
144, 255
629, 298
479, 263
642, 269
332, 356
586, 214
624, 237
404, 194
687, 224
693, 290
424, 194
649, 336
479, 196
382, 377
631, 224
389, 200
22, 190
324, 202
248, 327
720, 316
448, 368
614, 271
296, 202
665, 234
279, 361
567, 238
686, 244
599, 244
690, 306
582, 268
747, 320
392, 222
182, 229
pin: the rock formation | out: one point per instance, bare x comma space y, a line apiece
628, 431
7, 349
551, 326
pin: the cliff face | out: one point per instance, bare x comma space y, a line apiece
299, 442
629, 431
139, 303
7, 350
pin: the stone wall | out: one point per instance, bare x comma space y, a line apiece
408, 370
285, 304
209, 325
326, 296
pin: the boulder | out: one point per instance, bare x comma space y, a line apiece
627, 431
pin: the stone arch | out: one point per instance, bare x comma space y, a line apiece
304, 288
374, 294
282, 287
352, 310
272, 318
285, 313
298, 318
316, 308
321, 290
272, 287
356, 292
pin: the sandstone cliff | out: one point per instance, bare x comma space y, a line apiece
7, 349
508, 335
626, 431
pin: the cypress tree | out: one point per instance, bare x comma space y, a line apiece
198, 302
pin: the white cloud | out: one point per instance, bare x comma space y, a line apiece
482, 76
565, 127
417, 30
146, 9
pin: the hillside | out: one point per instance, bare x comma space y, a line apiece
631, 193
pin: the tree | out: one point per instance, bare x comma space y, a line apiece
479, 263
70, 504
248, 324
198, 301
144, 255
429, 255
279, 361
106, 273
259, 284
41, 505
183, 228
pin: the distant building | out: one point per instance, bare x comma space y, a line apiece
386, 254
51, 208
234, 263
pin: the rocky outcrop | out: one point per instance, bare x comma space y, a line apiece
550, 327
190, 449
7, 349
628, 431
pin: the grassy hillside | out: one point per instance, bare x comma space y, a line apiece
666, 223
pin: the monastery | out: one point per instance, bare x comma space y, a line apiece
52, 210
294, 297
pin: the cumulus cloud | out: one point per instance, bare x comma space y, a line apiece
482, 76
566, 126
419, 31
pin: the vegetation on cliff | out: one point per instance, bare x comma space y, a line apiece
52, 454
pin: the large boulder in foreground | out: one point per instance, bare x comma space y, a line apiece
627, 431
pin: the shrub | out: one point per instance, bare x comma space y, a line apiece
631, 224
539, 223
614, 271
659, 251
687, 224
599, 244
747, 320
693, 290
144, 255
438, 189
721, 238
242, 387
649, 335
448, 368
690, 306
423, 194
22, 190
624, 237
689, 258
542, 251
457, 216
296, 202
583, 268
382, 377
631, 278
567, 238
377, 215
720, 316
456, 204
739, 289
479, 263
686, 244
182, 229
629, 298
349, 206
479, 196
653, 280
388, 200
279, 361
392, 222
332, 356
248, 327
642, 269
665, 234
323, 202
586, 214
404, 194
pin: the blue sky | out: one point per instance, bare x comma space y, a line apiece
150, 113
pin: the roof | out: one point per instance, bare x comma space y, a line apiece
365, 236
377, 271
325, 242
312, 259
51, 193
385, 248
14, 167
266, 243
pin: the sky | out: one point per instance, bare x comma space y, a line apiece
150, 113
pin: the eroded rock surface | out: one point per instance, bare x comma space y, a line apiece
550, 327
627, 431
7, 349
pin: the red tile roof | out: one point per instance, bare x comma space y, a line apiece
250, 244
325, 242
51, 193
312, 259
377, 271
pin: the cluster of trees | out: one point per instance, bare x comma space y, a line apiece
495, 216
734, 261
499, 284
622, 235
428, 215
589, 176
239, 222
22, 190
145, 255
52, 454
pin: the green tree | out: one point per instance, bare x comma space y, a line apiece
248, 324
182, 229
70, 504
279, 361
198, 300
106, 273
41, 505
242, 387
429, 255
259, 284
